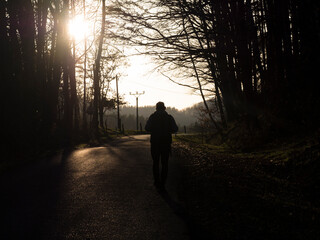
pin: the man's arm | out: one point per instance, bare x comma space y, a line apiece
174, 127
148, 125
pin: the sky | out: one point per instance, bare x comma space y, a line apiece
140, 76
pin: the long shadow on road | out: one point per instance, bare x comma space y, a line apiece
97, 193
195, 230
29, 195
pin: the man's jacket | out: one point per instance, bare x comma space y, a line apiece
161, 125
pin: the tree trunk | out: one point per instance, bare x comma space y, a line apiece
96, 77
84, 110
67, 76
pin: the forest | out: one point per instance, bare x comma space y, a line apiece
250, 172
257, 59
189, 117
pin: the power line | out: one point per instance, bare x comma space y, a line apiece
152, 87
166, 90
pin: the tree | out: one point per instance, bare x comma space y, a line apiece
253, 53
96, 78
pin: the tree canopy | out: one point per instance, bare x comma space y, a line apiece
257, 58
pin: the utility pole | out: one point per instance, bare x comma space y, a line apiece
137, 95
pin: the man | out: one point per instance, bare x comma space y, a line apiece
161, 125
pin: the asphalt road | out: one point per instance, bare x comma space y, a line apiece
94, 193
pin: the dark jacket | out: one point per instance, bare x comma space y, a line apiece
161, 125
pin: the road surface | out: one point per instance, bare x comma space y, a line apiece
94, 193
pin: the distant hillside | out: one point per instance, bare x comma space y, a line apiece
185, 117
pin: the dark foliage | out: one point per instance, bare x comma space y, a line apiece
186, 117
38, 76
261, 56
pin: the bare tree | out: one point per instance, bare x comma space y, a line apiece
247, 50
97, 75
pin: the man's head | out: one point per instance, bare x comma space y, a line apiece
160, 106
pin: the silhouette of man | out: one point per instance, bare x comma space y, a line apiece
161, 125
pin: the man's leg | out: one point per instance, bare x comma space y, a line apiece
155, 153
164, 164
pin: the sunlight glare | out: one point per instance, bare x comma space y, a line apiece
78, 28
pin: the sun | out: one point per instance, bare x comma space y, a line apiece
78, 28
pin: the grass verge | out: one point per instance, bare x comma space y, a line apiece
270, 192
